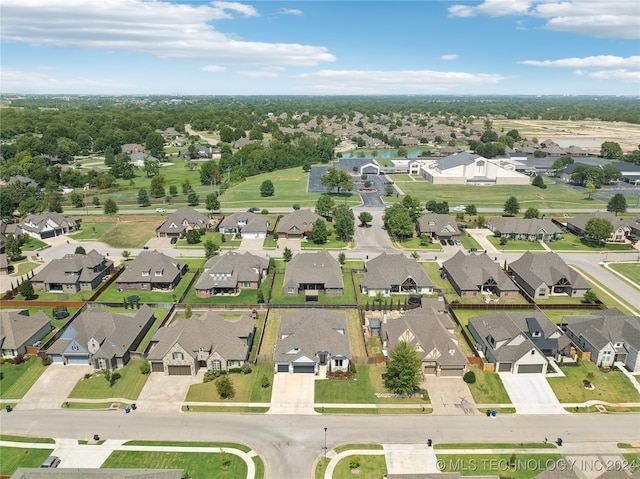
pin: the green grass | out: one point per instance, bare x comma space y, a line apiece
633, 461
23, 267
228, 242
231, 445
572, 242
111, 294
488, 388
415, 244
160, 315
469, 242
94, 405
332, 242
34, 440
371, 467
33, 244
247, 386
270, 242
601, 292
246, 296
348, 447
129, 232
612, 386
373, 410
16, 380
321, 467
515, 245
497, 464
227, 409
630, 271
94, 228
498, 445
15, 457
197, 465
128, 386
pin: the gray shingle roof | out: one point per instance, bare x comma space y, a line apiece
151, 266
254, 223
606, 326
37, 223
580, 222
182, 220
211, 332
470, 272
16, 327
319, 267
547, 268
439, 224
526, 226
228, 269
305, 332
297, 222
85, 266
457, 159
386, 270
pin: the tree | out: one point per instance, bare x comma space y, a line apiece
192, 236
413, 206
126, 254
319, 231
617, 204
344, 222
539, 182
154, 144
598, 229
210, 249
26, 289
12, 247
611, 172
187, 311
287, 255
398, 221
151, 166
561, 163
186, 187
76, 200
109, 156
212, 202
337, 179
324, 206
225, 388
472, 210
110, 207
267, 188
388, 189
511, 206
193, 199
80, 250
402, 152
610, 150
404, 372
342, 258
365, 217
584, 174
157, 186
531, 213
590, 297
173, 190
143, 197
96, 201
122, 167
441, 208
590, 189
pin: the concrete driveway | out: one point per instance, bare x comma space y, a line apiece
292, 394
251, 244
449, 396
165, 393
531, 394
53, 387
410, 458
295, 245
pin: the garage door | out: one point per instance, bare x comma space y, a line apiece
283, 368
451, 372
304, 368
157, 367
179, 370
83, 361
504, 367
530, 368
56, 358
429, 369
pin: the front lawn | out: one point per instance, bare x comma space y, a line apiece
247, 386
217, 238
612, 386
572, 242
128, 386
488, 388
15, 457
631, 271
526, 465
197, 465
515, 245
416, 244
371, 467
131, 231
16, 380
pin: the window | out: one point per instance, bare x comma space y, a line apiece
338, 362
178, 356
543, 291
145, 273
291, 290
102, 363
533, 351
217, 365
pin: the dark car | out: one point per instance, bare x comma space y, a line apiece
443, 242
253, 209
450, 242
174, 240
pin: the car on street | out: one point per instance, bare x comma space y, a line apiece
161, 210
460, 208
254, 209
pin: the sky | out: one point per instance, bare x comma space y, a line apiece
320, 47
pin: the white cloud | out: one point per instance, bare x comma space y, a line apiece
622, 75
389, 82
600, 18
290, 11
449, 57
162, 29
214, 68
16, 81
259, 74
599, 61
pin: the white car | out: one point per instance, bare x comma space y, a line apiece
160, 210
460, 208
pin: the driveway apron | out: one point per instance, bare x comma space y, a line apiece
53, 387
292, 394
165, 393
410, 458
531, 394
449, 396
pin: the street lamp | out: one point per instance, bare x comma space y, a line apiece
325, 444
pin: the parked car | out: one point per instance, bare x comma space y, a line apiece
50, 462
443, 242
174, 240
458, 243
450, 242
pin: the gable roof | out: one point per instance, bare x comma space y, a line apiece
86, 267
386, 270
158, 267
254, 223
37, 223
580, 222
297, 222
547, 268
183, 219
303, 333
469, 272
457, 159
16, 327
526, 226
606, 326
438, 224
209, 332
318, 267
227, 270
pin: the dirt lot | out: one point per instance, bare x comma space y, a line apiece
627, 135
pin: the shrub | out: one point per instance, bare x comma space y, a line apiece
469, 377
46, 360
235, 370
246, 368
210, 376
87, 376
264, 212
354, 462
225, 460
145, 368
115, 376
225, 388
264, 382
8, 360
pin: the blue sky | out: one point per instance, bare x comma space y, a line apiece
532, 47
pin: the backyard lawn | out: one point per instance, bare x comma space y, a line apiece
488, 388
15, 457
247, 386
197, 465
611, 386
630, 271
128, 386
16, 380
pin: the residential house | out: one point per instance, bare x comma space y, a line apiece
24, 180
526, 229
438, 226
478, 274
47, 225
609, 335
208, 342
297, 224
518, 342
183, 220
389, 274
248, 224
101, 338
621, 228
97, 473
430, 331
310, 339
543, 275
635, 225
73, 273
130, 148
201, 151
18, 329
140, 159
230, 273
152, 271
629, 172
313, 273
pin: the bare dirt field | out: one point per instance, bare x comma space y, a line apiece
588, 135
